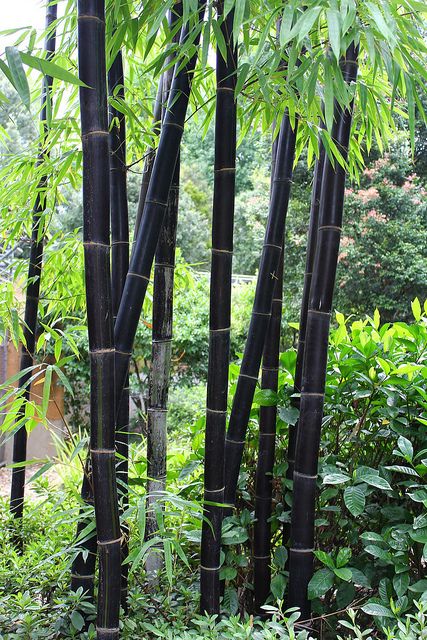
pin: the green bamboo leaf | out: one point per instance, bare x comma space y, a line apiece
17, 72
168, 560
242, 75
41, 471
6, 71
333, 18
286, 24
239, 13
219, 39
46, 389
329, 96
49, 68
303, 26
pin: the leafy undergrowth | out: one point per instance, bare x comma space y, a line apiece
371, 528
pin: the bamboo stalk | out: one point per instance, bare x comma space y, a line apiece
220, 315
261, 311
161, 346
315, 355
96, 242
154, 210
119, 268
33, 287
267, 442
311, 249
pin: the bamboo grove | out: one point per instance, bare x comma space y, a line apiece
326, 83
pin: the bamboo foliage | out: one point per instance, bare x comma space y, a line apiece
261, 311
220, 315
155, 206
119, 268
161, 346
315, 354
96, 241
33, 285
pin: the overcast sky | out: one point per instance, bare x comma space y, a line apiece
21, 13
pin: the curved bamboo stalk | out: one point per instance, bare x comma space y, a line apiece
261, 311
220, 316
315, 356
164, 269
96, 242
33, 286
119, 268
154, 211
310, 253
266, 451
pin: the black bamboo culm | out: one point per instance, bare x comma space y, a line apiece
119, 269
315, 355
83, 566
162, 322
220, 315
156, 203
96, 242
310, 253
261, 311
33, 286
267, 443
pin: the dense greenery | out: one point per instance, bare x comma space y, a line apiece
371, 525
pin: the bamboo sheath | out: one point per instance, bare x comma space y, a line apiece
119, 268
315, 355
33, 286
261, 312
162, 323
154, 211
266, 444
310, 253
220, 316
96, 241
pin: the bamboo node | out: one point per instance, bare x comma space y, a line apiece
219, 330
215, 411
97, 132
260, 313
262, 557
234, 441
137, 275
159, 202
227, 251
301, 550
305, 475
173, 124
311, 393
78, 576
108, 630
103, 451
215, 490
209, 568
275, 246
84, 16
105, 543
110, 350
332, 227
95, 244
123, 353
246, 375
226, 170
323, 313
